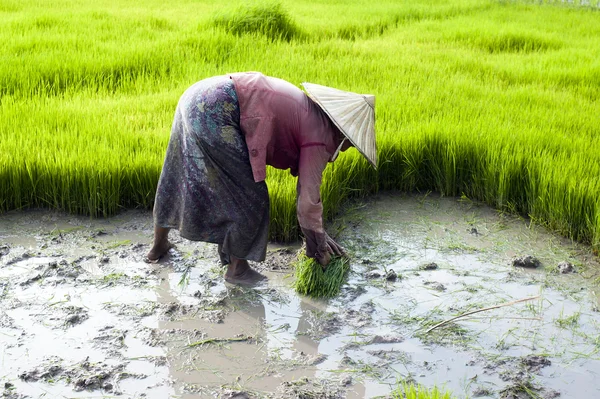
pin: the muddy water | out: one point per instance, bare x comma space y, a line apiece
82, 315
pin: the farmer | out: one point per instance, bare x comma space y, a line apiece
226, 130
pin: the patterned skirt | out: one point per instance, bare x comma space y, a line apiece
206, 189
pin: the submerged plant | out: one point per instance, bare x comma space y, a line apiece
313, 281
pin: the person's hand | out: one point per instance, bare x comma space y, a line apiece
323, 259
321, 247
326, 248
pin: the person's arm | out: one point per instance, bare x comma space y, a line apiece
312, 163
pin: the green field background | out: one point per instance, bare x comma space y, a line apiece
495, 101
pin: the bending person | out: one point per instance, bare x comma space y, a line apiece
226, 130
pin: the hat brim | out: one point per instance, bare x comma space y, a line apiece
353, 114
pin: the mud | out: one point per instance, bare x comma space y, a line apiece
526, 261
566, 267
82, 315
84, 375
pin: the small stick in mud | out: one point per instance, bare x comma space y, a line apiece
481, 310
217, 340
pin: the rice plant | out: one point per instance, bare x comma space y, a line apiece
494, 100
411, 391
314, 281
269, 19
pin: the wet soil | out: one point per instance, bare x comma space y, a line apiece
82, 315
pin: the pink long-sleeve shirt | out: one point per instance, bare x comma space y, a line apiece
284, 128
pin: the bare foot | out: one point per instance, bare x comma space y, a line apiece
159, 250
239, 272
250, 277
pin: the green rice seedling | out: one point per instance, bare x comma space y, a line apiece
282, 194
312, 280
113, 278
411, 391
568, 321
117, 244
496, 101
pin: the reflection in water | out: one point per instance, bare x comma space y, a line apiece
472, 246
257, 365
280, 321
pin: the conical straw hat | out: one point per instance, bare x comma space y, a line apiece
352, 113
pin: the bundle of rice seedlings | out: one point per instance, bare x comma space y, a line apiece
313, 281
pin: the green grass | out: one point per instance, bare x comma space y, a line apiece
113, 277
268, 19
312, 280
496, 101
410, 391
116, 244
568, 321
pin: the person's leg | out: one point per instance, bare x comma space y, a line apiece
239, 272
161, 243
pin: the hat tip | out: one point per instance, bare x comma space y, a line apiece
370, 99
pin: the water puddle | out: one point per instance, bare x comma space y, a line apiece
81, 314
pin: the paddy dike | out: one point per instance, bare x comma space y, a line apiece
82, 315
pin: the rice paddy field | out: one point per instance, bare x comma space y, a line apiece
496, 101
